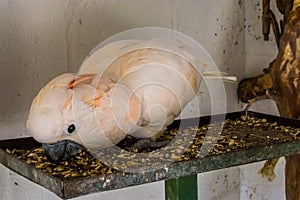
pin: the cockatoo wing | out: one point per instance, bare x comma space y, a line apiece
104, 112
163, 81
160, 72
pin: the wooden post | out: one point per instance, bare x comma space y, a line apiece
284, 73
286, 83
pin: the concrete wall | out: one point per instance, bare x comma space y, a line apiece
40, 39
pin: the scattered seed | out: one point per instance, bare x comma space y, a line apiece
242, 133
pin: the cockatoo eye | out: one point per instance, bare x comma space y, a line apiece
71, 128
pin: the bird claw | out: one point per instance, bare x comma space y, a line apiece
258, 98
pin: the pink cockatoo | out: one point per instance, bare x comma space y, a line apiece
133, 87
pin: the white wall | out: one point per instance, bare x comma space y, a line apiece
32, 51
40, 39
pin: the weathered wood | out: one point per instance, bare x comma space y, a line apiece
284, 88
286, 72
292, 181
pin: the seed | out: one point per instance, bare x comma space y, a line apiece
73, 174
286, 130
59, 168
48, 170
30, 161
264, 120
40, 165
244, 117
274, 124
8, 151
67, 175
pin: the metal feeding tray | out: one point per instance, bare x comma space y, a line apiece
261, 148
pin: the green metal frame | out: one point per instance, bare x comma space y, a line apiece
183, 188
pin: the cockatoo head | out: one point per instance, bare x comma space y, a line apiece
49, 121
75, 111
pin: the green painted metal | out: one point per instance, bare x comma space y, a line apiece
183, 188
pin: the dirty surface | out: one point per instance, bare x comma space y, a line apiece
238, 140
237, 134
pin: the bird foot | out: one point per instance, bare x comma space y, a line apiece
147, 143
258, 98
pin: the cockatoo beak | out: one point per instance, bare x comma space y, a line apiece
61, 150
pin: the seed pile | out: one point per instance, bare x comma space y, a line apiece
243, 133
219, 138
82, 165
